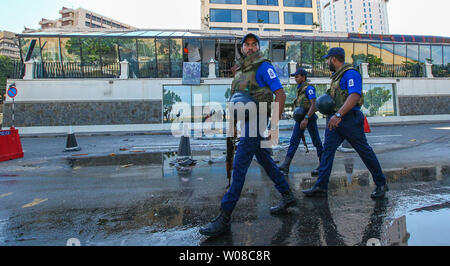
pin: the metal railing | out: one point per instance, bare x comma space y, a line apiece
49, 70
18, 70
390, 70
225, 69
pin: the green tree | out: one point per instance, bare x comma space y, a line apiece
170, 98
6, 68
375, 98
94, 49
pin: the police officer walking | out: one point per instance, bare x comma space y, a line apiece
345, 122
256, 76
306, 102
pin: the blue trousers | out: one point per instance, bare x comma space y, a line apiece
246, 149
351, 129
297, 137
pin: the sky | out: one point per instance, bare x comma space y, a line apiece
411, 17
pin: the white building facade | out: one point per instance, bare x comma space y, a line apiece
355, 16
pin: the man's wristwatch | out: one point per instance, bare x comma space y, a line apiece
307, 117
338, 115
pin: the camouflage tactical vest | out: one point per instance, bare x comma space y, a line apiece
302, 99
245, 79
340, 96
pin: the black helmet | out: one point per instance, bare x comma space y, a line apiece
299, 114
241, 97
244, 98
325, 104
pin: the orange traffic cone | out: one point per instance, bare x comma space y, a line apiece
366, 126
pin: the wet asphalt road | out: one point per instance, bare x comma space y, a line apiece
46, 202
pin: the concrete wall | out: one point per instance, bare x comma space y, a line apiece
136, 104
423, 96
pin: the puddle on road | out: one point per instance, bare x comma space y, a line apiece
429, 227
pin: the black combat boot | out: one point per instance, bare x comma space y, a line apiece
316, 191
379, 192
284, 167
287, 201
221, 224
315, 172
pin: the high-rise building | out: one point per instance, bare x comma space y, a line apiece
358, 16
9, 44
256, 15
82, 19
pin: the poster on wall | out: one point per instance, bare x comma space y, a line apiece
191, 73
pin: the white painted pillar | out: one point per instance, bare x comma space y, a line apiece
429, 70
29, 70
365, 70
292, 67
212, 69
124, 69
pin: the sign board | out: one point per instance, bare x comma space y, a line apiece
12, 91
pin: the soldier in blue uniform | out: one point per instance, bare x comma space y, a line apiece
346, 123
306, 99
256, 76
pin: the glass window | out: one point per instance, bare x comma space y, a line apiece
236, 2
436, 55
225, 15
293, 51
50, 49
290, 30
267, 17
278, 50
387, 53
95, 50
446, 54
295, 18
70, 49
307, 53
147, 58
348, 48
220, 94
298, 3
128, 51
360, 53
413, 53
425, 53
264, 47
374, 53
162, 57
208, 53
172, 96
176, 58
263, 2
378, 100
224, 28
192, 50
320, 49
400, 54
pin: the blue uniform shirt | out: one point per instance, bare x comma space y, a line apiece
352, 81
266, 76
310, 92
